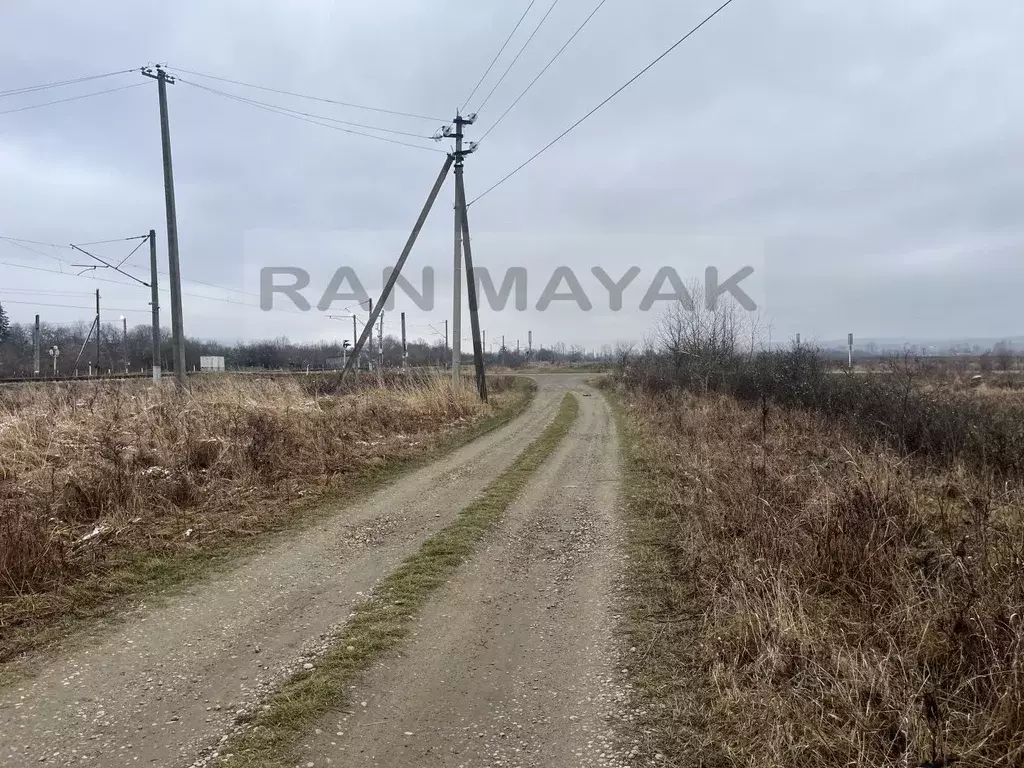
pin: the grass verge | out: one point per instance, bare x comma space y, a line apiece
800, 600
381, 622
34, 621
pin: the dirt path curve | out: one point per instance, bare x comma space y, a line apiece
162, 688
515, 662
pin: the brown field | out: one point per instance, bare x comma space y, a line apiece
805, 597
107, 487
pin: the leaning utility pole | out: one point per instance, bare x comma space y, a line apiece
431, 197
457, 276
35, 346
177, 324
155, 304
467, 249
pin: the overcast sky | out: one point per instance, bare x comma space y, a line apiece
863, 157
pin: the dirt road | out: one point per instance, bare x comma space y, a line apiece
514, 658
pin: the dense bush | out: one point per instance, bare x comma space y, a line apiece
898, 404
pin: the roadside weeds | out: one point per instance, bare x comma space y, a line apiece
35, 622
267, 738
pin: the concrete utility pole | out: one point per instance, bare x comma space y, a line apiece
457, 275
371, 356
849, 342
405, 349
35, 347
177, 324
467, 250
529, 344
380, 343
397, 271
98, 370
155, 304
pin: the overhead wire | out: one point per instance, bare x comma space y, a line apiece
305, 95
60, 83
257, 102
70, 306
615, 93
498, 54
521, 51
71, 98
545, 69
285, 113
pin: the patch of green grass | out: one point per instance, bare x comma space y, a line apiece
382, 620
94, 604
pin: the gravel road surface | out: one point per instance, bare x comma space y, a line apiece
515, 663
164, 686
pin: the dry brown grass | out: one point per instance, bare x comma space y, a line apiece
97, 477
802, 601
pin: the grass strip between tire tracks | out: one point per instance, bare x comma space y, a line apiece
86, 606
382, 621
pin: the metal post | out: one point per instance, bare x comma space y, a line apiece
35, 346
405, 255
457, 274
155, 304
177, 324
474, 315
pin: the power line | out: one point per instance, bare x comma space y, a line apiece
546, 67
307, 96
521, 50
256, 102
69, 306
59, 83
21, 244
281, 111
498, 54
34, 242
71, 98
615, 93
115, 240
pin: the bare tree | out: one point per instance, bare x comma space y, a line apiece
1003, 354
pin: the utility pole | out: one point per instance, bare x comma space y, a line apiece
124, 341
97, 331
155, 304
405, 349
371, 358
35, 346
457, 274
177, 324
467, 250
529, 345
483, 339
355, 334
380, 343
